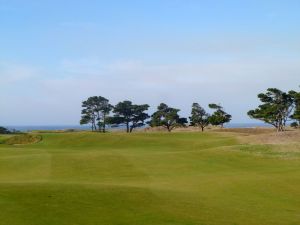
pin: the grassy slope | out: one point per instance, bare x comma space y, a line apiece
153, 178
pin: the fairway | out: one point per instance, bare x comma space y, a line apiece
180, 178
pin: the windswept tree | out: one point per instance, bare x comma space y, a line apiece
103, 112
296, 113
88, 116
131, 115
199, 117
219, 117
167, 117
276, 108
95, 111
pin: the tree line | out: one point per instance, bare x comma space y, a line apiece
277, 108
4, 130
99, 113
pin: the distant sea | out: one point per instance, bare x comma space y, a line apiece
48, 127
78, 127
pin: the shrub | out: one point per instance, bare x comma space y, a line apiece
295, 125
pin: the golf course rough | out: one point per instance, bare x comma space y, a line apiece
183, 178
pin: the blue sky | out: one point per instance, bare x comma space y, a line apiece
54, 54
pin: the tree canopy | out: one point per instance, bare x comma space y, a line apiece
95, 111
131, 115
275, 109
296, 113
167, 117
199, 117
219, 117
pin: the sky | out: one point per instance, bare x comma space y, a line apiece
54, 54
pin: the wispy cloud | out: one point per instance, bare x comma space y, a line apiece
235, 84
218, 72
178, 84
11, 73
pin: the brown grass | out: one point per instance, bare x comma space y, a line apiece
247, 131
275, 138
258, 135
23, 139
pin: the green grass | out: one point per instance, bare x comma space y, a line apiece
147, 179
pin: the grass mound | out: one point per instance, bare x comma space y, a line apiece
23, 139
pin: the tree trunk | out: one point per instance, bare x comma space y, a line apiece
127, 127
169, 128
104, 122
98, 119
202, 128
93, 125
280, 128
